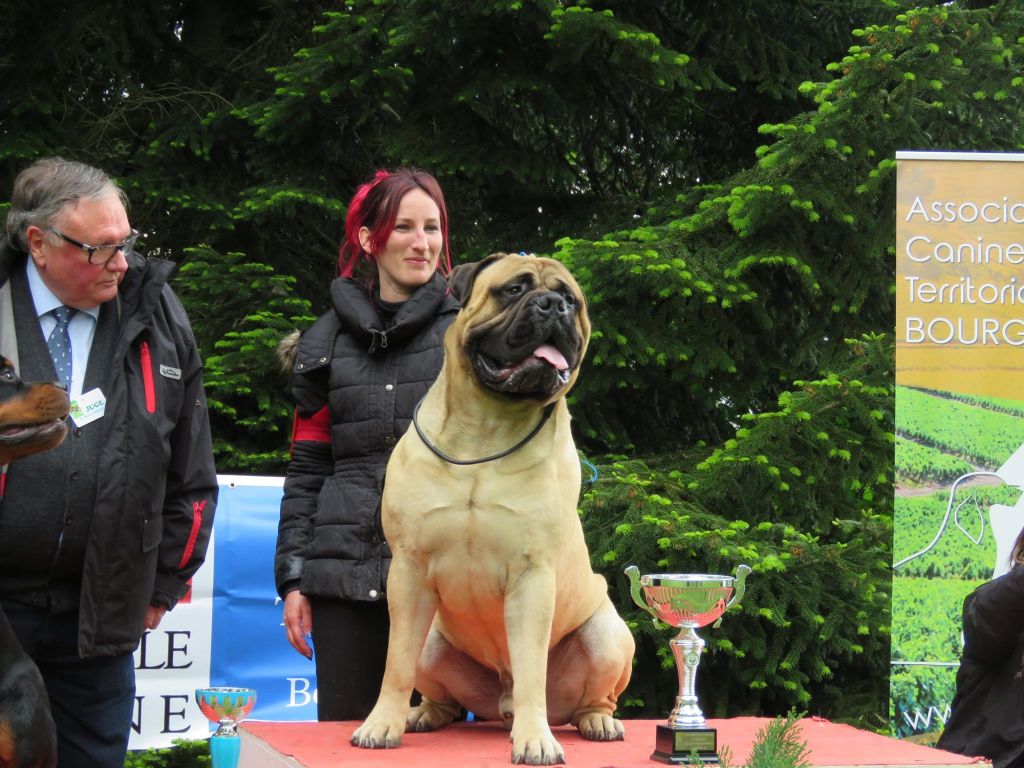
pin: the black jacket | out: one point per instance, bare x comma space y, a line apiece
370, 373
988, 708
157, 486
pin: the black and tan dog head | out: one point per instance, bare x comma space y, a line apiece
33, 417
523, 328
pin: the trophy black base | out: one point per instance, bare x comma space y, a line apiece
677, 746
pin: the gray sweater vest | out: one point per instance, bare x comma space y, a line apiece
48, 502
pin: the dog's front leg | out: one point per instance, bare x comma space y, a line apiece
529, 610
411, 607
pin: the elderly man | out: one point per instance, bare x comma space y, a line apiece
99, 537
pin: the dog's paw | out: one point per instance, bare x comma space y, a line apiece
430, 715
597, 726
539, 748
379, 733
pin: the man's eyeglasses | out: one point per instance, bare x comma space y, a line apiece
100, 254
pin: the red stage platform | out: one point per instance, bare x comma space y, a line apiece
485, 745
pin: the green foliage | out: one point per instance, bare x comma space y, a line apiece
542, 117
800, 495
949, 550
185, 753
1001, 404
722, 293
928, 595
240, 310
778, 745
926, 627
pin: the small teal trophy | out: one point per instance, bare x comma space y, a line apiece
227, 707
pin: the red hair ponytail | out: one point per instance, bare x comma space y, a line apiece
351, 251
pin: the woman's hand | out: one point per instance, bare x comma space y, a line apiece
298, 621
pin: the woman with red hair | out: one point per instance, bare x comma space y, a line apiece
359, 371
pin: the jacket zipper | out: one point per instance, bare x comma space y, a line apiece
197, 524
147, 377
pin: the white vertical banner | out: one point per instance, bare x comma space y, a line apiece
959, 496
170, 663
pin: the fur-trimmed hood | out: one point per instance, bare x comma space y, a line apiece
287, 351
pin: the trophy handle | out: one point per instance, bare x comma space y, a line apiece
633, 573
740, 585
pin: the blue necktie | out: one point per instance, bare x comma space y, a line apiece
59, 344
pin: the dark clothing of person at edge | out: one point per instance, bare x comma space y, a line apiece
100, 535
359, 372
987, 718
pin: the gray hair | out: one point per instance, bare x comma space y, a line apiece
44, 189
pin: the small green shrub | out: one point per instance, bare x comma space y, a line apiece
185, 753
778, 745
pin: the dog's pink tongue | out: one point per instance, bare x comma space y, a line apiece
552, 355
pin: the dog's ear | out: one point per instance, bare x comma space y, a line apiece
462, 277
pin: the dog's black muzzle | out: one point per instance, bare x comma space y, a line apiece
533, 351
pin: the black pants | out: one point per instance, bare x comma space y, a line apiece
91, 699
350, 645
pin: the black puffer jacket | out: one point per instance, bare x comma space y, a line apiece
369, 374
988, 708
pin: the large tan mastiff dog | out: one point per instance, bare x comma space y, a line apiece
493, 604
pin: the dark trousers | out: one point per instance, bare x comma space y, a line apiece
350, 645
91, 699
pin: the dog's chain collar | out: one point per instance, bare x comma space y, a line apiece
444, 456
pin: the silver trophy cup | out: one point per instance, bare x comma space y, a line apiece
688, 601
227, 707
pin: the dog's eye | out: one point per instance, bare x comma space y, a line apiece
7, 374
513, 290
569, 299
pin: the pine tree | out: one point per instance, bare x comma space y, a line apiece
726, 292
802, 494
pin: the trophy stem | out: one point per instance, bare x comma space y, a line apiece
687, 647
225, 750
227, 727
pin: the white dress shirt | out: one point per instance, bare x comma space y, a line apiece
81, 329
